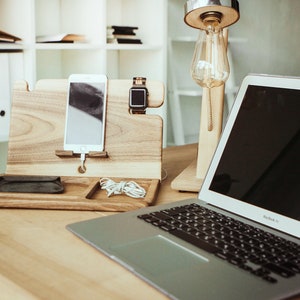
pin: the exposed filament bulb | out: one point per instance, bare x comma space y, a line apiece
210, 67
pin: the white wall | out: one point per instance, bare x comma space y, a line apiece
272, 32
272, 29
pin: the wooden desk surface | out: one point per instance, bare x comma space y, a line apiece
40, 259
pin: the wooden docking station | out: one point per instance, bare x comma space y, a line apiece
133, 148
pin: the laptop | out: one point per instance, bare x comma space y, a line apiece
240, 239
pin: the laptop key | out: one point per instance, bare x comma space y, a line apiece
279, 270
291, 266
160, 216
167, 227
269, 279
194, 241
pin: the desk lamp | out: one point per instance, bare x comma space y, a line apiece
210, 70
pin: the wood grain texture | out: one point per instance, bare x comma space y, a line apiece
208, 139
82, 193
192, 177
133, 142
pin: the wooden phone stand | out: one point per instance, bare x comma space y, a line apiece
133, 148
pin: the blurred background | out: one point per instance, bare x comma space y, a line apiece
265, 40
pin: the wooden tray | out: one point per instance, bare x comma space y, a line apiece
133, 144
82, 193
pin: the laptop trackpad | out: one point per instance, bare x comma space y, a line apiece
157, 255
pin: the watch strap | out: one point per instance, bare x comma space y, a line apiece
139, 81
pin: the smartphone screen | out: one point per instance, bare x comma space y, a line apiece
85, 113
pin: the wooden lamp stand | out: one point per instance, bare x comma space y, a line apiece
200, 14
191, 178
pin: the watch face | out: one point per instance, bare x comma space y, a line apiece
138, 97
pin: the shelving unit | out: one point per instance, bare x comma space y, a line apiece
91, 18
30, 18
184, 95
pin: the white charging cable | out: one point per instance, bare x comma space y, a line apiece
130, 188
82, 167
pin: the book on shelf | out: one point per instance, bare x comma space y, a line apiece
122, 35
129, 41
8, 38
61, 38
128, 30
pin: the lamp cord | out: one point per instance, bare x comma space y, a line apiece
209, 112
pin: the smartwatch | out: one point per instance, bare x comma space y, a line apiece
138, 96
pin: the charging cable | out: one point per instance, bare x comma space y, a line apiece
130, 188
82, 168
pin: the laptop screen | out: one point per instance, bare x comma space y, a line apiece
261, 159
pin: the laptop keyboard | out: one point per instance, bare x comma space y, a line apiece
249, 248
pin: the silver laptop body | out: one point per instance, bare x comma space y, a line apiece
253, 178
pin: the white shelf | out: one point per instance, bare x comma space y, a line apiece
138, 47
193, 39
68, 46
9, 47
189, 92
183, 39
30, 18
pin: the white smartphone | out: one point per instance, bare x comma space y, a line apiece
85, 113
